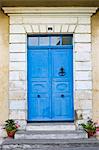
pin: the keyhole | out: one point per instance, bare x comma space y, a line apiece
38, 96
62, 95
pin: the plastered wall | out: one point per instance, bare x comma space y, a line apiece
3, 67
95, 59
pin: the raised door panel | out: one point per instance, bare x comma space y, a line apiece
38, 64
62, 107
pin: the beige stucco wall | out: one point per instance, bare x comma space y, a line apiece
3, 67
95, 57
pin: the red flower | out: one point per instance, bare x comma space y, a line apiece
17, 126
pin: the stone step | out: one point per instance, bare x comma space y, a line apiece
50, 126
72, 144
50, 134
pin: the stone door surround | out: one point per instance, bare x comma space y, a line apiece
32, 20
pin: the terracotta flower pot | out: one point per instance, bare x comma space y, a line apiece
11, 133
90, 134
97, 129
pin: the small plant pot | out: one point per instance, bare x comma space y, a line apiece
11, 133
97, 129
97, 133
90, 134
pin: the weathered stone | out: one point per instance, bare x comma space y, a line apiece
53, 127
74, 144
49, 20
17, 114
17, 57
35, 28
83, 94
17, 38
83, 75
83, 66
28, 28
87, 114
78, 115
82, 38
17, 47
13, 146
82, 85
57, 28
3, 133
16, 20
83, 29
82, 47
43, 28
17, 95
17, 75
17, 85
83, 56
85, 104
15, 66
71, 28
48, 135
17, 105
84, 20
64, 28
17, 29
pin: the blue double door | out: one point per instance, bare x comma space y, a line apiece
50, 83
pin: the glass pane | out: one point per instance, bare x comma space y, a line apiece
33, 41
55, 40
67, 40
44, 41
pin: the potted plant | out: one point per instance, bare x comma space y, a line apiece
11, 127
89, 127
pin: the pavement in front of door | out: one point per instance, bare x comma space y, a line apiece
82, 144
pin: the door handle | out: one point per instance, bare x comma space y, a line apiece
62, 95
38, 96
61, 72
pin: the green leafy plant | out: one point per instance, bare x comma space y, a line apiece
89, 126
10, 125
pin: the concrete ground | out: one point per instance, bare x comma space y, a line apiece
54, 148
83, 144
79, 148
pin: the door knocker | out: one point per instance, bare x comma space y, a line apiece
61, 72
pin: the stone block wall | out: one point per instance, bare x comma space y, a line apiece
20, 26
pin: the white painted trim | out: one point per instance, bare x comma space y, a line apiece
50, 10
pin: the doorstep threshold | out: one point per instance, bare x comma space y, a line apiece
50, 126
49, 123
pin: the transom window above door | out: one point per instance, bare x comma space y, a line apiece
50, 40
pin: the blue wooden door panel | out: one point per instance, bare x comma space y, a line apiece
38, 64
62, 100
38, 81
50, 83
39, 108
61, 108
